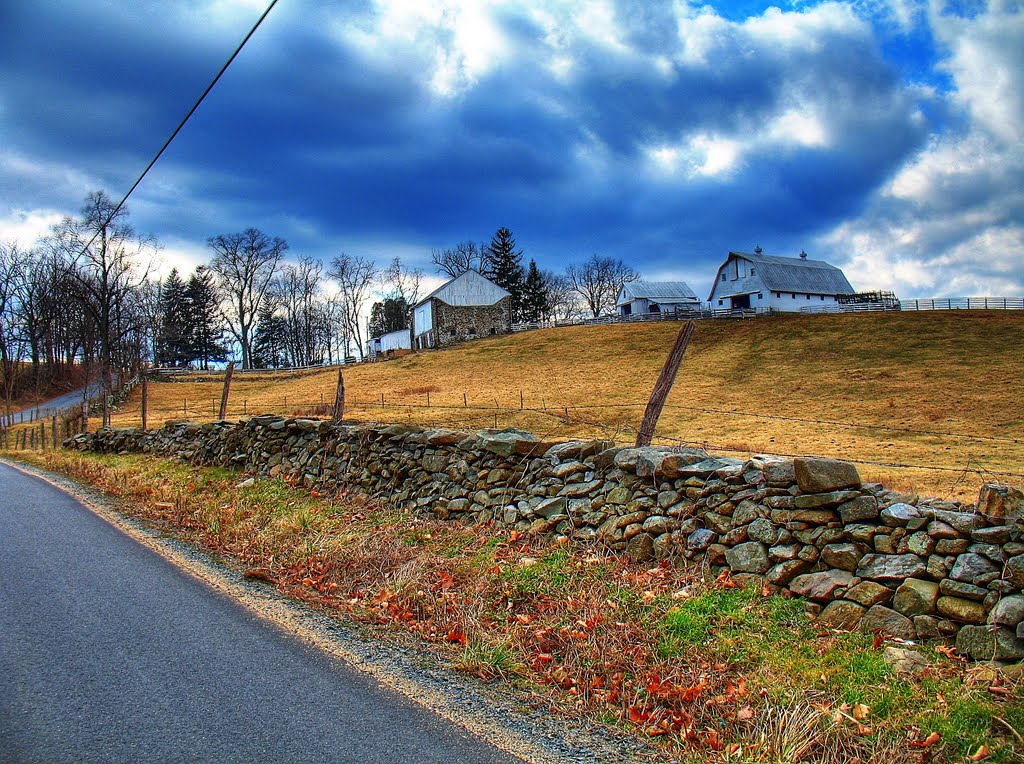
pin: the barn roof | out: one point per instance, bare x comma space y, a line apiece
659, 291
468, 288
798, 274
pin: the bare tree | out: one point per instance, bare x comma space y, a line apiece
405, 285
299, 296
356, 277
13, 264
462, 257
563, 301
245, 264
598, 282
110, 278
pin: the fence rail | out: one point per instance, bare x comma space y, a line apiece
689, 315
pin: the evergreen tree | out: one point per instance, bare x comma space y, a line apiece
172, 342
270, 340
536, 306
388, 316
505, 268
205, 325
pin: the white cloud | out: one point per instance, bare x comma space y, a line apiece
27, 226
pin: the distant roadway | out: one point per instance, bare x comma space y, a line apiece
109, 653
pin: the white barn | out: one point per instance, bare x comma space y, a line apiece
638, 297
399, 339
466, 307
758, 281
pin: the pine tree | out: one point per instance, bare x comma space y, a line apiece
172, 342
505, 268
206, 327
388, 316
535, 295
270, 340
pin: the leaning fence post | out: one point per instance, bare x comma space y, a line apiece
664, 384
227, 390
339, 398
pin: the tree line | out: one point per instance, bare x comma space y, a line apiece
81, 302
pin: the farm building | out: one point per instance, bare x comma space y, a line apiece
781, 283
467, 307
399, 339
639, 297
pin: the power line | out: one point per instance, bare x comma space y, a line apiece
181, 124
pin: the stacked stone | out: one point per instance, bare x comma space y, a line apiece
864, 556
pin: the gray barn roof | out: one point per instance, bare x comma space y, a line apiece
797, 274
663, 291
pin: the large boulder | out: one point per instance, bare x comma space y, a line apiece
821, 475
821, 586
916, 597
842, 614
511, 442
880, 619
750, 557
1009, 611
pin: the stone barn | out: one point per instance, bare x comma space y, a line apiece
467, 307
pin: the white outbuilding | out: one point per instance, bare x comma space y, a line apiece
758, 281
641, 297
466, 307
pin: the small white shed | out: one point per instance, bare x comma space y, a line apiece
638, 297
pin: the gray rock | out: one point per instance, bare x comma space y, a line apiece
859, 509
1014, 571
916, 597
1009, 611
845, 556
821, 500
940, 531
641, 548
707, 467
932, 627
842, 614
951, 546
890, 567
990, 643
510, 441
881, 620
784, 552
823, 475
920, 543
964, 522
903, 661
821, 586
764, 531
963, 589
899, 515
973, 568
750, 557
784, 572
701, 539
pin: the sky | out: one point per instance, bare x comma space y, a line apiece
884, 136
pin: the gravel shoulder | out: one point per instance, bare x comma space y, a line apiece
508, 718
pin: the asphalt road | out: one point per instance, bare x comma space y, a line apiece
55, 405
108, 653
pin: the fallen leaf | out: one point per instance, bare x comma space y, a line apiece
745, 714
981, 753
456, 636
928, 742
860, 711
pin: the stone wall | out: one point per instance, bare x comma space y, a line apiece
452, 323
865, 557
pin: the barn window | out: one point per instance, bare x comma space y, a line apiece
493, 330
471, 330
808, 297
778, 294
451, 332
719, 302
823, 298
723, 277
793, 295
751, 271
759, 295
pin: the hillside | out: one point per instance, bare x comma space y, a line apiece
957, 373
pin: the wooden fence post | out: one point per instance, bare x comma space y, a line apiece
145, 402
664, 384
339, 398
53, 426
85, 417
227, 390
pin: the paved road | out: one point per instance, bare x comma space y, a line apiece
54, 405
108, 653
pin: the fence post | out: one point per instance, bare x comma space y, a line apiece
339, 397
85, 417
227, 390
664, 385
145, 402
53, 425
42, 435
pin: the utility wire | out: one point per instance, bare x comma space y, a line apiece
181, 124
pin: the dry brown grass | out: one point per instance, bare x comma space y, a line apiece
942, 372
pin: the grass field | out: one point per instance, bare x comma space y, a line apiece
954, 380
